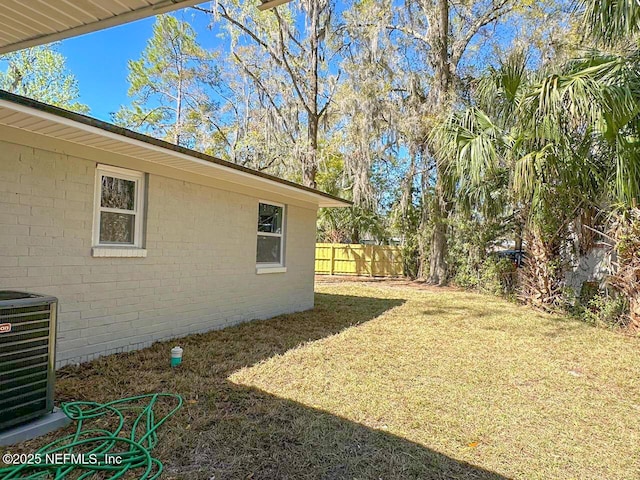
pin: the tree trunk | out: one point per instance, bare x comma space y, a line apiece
424, 241
355, 236
447, 46
300, 62
541, 276
438, 254
407, 190
310, 166
178, 124
310, 159
440, 96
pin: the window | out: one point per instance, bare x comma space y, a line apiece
270, 234
118, 207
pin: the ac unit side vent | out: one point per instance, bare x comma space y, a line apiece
27, 356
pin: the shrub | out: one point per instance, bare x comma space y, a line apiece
497, 276
604, 310
494, 275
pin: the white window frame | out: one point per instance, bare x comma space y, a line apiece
138, 212
272, 267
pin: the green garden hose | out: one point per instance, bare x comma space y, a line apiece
104, 453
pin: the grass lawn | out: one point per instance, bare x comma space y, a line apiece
388, 380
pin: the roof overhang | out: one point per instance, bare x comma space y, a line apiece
51, 125
36, 22
267, 4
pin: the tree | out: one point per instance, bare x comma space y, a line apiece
346, 225
625, 230
615, 24
366, 113
247, 129
287, 60
171, 85
441, 34
41, 73
569, 139
611, 21
447, 42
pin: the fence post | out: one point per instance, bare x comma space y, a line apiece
331, 257
373, 256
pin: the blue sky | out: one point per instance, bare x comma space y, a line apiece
99, 60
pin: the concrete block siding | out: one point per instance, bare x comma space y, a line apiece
199, 273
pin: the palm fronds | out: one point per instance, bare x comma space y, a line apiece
610, 21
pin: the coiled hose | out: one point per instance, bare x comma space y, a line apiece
112, 454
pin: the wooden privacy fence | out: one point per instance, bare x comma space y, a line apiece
365, 260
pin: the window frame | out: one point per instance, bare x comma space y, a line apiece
138, 212
271, 265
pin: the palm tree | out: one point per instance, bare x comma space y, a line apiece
611, 21
491, 141
568, 140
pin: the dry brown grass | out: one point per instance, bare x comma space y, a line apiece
384, 380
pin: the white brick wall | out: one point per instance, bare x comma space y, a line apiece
199, 273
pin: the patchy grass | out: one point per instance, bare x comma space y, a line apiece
386, 380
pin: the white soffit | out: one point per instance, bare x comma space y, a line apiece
40, 122
27, 23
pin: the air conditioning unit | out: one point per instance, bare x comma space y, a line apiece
27, 356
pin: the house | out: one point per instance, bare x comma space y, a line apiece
142, 240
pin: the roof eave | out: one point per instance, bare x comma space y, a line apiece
46, 111
120, 19
145, 11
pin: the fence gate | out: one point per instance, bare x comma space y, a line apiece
355, 259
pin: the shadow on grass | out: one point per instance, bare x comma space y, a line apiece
257, 435
228, 431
